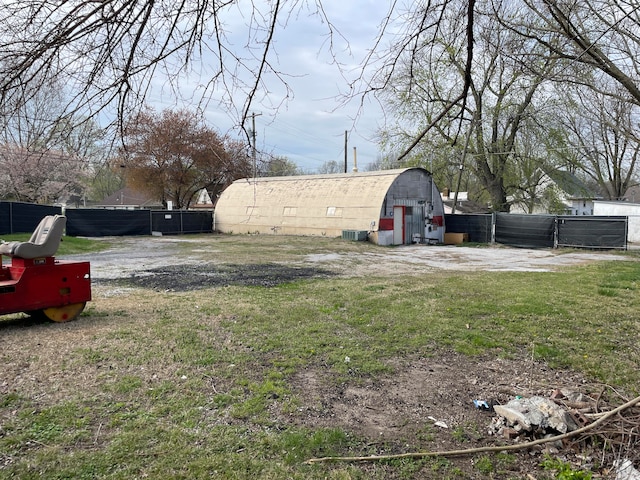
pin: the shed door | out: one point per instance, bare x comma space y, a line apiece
398, 225
414, 224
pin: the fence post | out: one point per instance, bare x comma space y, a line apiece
493, 228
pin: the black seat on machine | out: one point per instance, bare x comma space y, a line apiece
44, 241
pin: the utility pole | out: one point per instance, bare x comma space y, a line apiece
355, 161
253, 142
345, 151
464, 156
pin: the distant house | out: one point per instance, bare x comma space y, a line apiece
463, 204
632, 195
129, 199
202, 201
558, 192
625, 209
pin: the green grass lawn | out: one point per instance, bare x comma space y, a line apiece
197, 384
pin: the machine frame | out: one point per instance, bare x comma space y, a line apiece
57, 289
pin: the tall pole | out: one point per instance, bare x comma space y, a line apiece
253, 143
345, 151
355, 161
464, 156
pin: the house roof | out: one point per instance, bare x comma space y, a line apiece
632, 194
465, 206
570, 184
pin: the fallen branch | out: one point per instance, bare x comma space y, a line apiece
470, 451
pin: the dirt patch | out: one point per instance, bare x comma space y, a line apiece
420, 258
430, 401
442, 387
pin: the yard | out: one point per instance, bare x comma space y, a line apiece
246, 357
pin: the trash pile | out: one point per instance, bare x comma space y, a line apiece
600, 436
538, 416
554, 418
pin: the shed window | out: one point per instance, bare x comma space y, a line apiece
334, 211
290, 211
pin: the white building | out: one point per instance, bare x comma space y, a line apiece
558, 192
626, 209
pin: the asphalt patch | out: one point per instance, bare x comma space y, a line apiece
182, 278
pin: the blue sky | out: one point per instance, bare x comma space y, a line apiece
309, 124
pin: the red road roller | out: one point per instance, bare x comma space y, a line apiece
36, 283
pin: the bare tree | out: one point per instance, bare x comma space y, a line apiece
419, 42
386, 162
278, 167
331, 167
108, 53
598, 34
42, 157
503, 100
602, 132
589, 35
529, 43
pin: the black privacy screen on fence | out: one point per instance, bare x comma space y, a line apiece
592, 232
105, 223
170, 222
530, 231
17, 217
542, 231
93, 222
478, 226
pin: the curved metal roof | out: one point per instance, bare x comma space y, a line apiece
308, 204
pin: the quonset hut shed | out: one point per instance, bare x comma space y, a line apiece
393, 207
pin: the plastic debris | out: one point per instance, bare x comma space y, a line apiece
536, 413
626, 471
483, 405
438, 423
